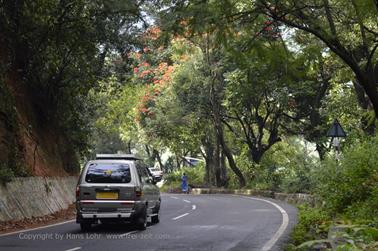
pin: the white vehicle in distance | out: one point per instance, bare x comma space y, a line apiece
156, 173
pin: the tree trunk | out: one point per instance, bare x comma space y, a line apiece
223, 169
212, 167
231, 161
218, 126
209, 155
365, 104
207, 170
205, 155
226, 150
218, 179
147, 148
129, 146
370, 87
178, 161
256, 155
322, 150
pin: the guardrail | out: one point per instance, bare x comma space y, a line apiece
295, 198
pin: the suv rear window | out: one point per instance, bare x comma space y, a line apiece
108, 173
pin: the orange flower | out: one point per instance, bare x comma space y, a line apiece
153, 32
144, 73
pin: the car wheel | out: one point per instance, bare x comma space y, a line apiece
142, 221
156, 218
85, 226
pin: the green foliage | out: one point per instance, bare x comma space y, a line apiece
348, 191
196, 175
314, 244
56, 51
114, 126
6, 174
287, 167
316, 228
313, 223
358, 237
347, 237
351, 186
348, 115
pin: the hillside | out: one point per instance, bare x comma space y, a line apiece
29, 144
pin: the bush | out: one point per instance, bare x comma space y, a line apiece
6, 174
349, 192
196, 176
350, 187
286, 167
313, 223
299, 183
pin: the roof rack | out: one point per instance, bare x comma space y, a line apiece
117, 156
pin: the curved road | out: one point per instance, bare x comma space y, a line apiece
188, 222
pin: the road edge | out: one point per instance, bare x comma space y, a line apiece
285, 222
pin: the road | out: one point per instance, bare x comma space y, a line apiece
188, 222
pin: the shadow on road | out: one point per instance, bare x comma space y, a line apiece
110, 228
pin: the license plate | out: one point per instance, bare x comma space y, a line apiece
107, 195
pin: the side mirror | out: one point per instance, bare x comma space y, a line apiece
150, 180
147, 180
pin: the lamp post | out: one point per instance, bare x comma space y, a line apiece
335, 133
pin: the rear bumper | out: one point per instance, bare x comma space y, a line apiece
105, 215
105, 202
90, 211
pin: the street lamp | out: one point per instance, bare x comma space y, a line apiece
335, 133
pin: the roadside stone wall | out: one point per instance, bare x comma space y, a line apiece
294, 198
36, 196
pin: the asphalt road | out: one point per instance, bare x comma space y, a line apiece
188, 222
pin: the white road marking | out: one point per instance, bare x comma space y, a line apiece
187, 201
194, 207
281, 229
173, 197
180, 216
205, 227
73, 249
263, 210
128, 233
37, 228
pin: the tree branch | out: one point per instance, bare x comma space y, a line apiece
370, 58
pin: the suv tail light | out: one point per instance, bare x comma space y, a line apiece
77, 192
138, 192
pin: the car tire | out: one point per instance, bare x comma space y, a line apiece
85, 226
141, 223
156, 218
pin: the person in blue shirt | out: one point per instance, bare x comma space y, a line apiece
184, 183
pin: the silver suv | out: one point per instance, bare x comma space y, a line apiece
116, 188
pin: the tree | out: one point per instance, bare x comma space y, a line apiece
54, 54
347, 28
258, 94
